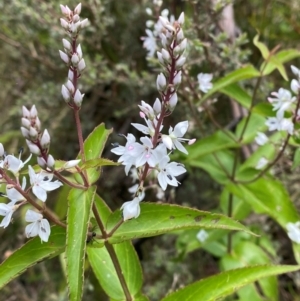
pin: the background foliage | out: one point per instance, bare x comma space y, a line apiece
118, 77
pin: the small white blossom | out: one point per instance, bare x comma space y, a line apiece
261, 138
131, 209
282, 100
168, 172
13, 164
204, 80
293, 231
262, 162
280, 123
202, 235
13, 194
38, 226
41, 183
7, 211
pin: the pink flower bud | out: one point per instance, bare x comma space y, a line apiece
45, 140
81, 65
77, 9
34, 149
64, 57
181, 18
71, 75
25, 132
84, 23
192, 141
33, 112
33, 134
142, 115
64, 24
25, 111
65, 10
75, 18
67, 45
25, 122
41, 162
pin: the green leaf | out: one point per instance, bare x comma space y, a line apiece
105, 272
281, 57
98, 163
243, 73
80, 203
262, 47
93, 148
248, 253
218, 141
267, 195
32, 253
226, 283
296, 161
156, 219
218, 164
237, 93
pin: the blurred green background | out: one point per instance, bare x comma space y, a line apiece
116, 79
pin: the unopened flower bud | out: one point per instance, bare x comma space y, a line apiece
295, 86
37, 124
25, 133
41, 162
157, 106
70, 86
192, 141
33, 112
75, 59
173, 101
25, 122
64, 57
165, 55
160, 57
295, 70
1, 150
74, 27
84, 23
25, 111
78, 98
71, 75
65, 10
81, 65
177, 79
75, 18
79, 51
161, 82
179, 63
33, 134
181, 18
64, 24
71, 164
183, 45
67, 45
77, 9
65, 93
131, 209
50, 162
34, 149
179, 36
149, 11
45, 140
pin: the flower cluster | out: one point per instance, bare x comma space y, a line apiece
284, 103
40, 184
150, 156
72, 55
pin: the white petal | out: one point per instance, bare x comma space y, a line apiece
40, 193
44, 230
32, 229
32, 216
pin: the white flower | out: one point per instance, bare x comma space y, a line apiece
13, 164
7, 211
41, 183
293, 231
145, 153
204, 80
168, 172
262, 162
131, 209
150, 43
202, 235
39, 226
261, 138
13, 194
174, 139
280, 123
282, 101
